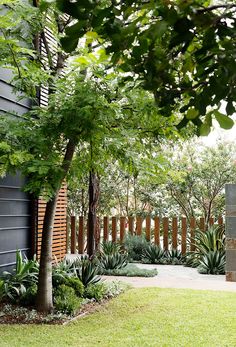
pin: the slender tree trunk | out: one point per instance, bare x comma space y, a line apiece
92, 212
44, 295
44, 301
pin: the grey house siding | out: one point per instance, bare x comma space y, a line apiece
15, 205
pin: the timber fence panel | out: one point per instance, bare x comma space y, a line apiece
174, 233
139, 223
157, 231
114, 229
122, 228
184, 235
148, 228
81, 235
165, 221
105, 228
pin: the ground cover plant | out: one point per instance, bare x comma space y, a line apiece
141, 317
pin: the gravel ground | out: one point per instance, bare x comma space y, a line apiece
178, 276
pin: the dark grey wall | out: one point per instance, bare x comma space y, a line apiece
15, 225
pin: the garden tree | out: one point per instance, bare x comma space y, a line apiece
134, 150
182, 51
197, 177
42, 145
79, 112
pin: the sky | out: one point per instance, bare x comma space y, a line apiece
219, 134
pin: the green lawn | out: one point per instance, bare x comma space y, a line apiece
141, 317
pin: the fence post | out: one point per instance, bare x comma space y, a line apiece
122, 229
165, 236
174, 232
211, 221
148, 228
114, 229
81, 235
184, 234
73, 235
139, 222
131, 225
202, 224
105, 228
192, 233
157, 231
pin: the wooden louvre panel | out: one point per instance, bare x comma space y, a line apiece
59, 228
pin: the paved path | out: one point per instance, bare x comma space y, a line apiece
178, 276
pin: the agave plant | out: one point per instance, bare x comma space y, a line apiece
87, 271
23, 276
174, 257
109, 247
209, 249
113, 261
211, 240
61, 270
153, 254
213, 263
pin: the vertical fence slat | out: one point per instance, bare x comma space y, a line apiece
81, 235
131, 225
184, 234
139, 222
220, 221
122, 229
192, 233
73, 235
148, 228
174, 232
165, 231
211, 221
105, 228
202, 224
114, 229
157, 231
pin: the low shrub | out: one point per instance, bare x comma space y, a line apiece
66, 301
95, 291
76, 284
131, 270
135, 246
28, 298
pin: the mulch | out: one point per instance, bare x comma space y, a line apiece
20, 315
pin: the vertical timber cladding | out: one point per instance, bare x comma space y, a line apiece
59, 228
230, 192
15, 205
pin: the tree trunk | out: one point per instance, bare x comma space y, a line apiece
44, 295
92, 212
44, 302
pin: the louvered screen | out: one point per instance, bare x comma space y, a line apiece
60, 225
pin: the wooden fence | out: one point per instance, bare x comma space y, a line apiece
169, 233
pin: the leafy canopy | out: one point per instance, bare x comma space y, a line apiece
182, 51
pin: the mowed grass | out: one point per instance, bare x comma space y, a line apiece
141, 317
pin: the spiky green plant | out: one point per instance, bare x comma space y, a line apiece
109, 247
87, 271
113, 261
209, 249
174, 257
212, 263
153, 254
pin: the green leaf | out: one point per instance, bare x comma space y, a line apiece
224, 121
192, 113
204, 129
69, 44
